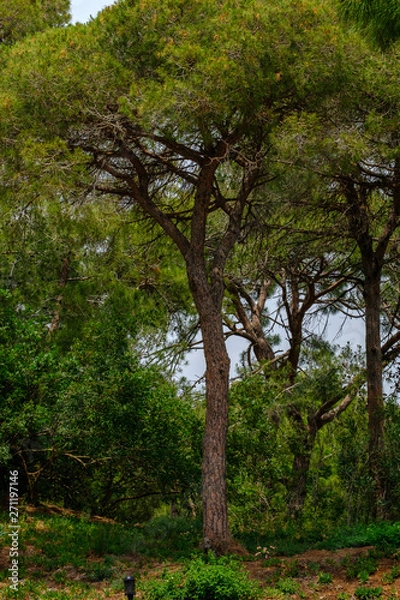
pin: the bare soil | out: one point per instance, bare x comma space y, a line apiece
306, 570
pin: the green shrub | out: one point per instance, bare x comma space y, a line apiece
362, 567
213, 579
288, 586
324, 578
393, 574
366, 593
167, 537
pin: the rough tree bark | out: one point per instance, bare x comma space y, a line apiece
373, 250
135, 166
372, 298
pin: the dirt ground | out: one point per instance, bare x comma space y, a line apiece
306, 570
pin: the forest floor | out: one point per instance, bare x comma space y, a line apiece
330, 575
314, 575
51, 571
320, 575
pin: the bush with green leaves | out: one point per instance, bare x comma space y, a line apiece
92, 429
204, 579
368, 593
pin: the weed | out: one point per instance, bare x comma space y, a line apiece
393, 574
272, 562
324, 578
178, 537
363, 576
366, 593
385, 536
343, 596
102, 570
362, 567
292, 568
314, 566
288, 586
60, 576
274, 576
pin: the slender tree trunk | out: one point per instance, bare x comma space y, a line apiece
298, 487
305, 440
372, 256
208, 299
215, 508
375, 383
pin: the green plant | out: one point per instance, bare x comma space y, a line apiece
211, 579
288, 586
60, 576
366, 593
363, 576
385, 536
102, 570
343, 596
179, 535
324, 578
361, 567
272, 562
292, 568
393, 574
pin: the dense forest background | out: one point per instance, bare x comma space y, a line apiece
174, 174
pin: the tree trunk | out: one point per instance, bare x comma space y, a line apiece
372, 264
305, 440
375, 386
298, 487
215, 508
208, 299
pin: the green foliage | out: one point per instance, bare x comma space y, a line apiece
87, 422
324, 578
264, 441
99, 428
367, 593
288, 586
384, 535
393, 574
210, 579
233, 46
66, 540
171, 537
379, 19
19, 19
257, 456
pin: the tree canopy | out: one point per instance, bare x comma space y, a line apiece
171, 157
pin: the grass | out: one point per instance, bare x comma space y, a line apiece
70, 557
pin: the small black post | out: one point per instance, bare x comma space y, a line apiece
129, 585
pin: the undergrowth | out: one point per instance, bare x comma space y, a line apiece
204, 579
64, 558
